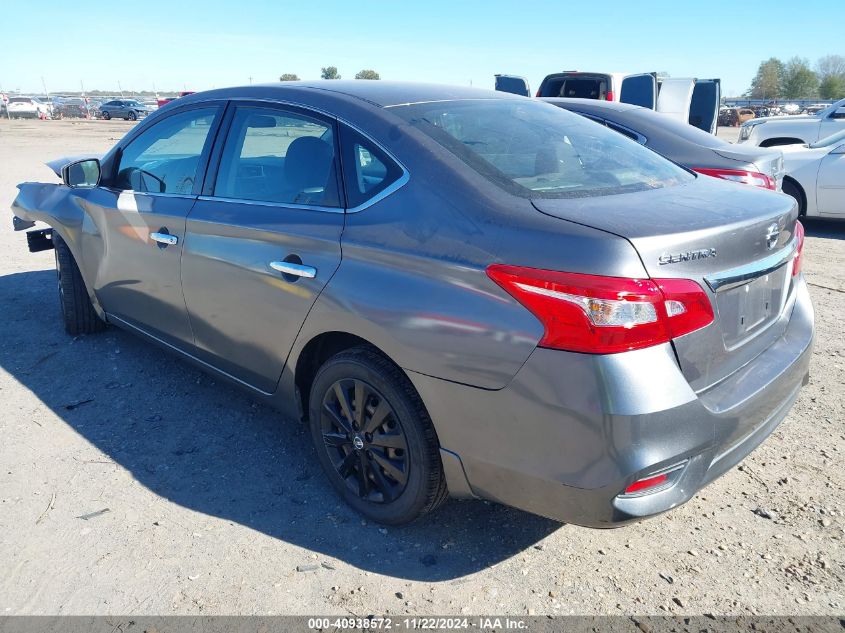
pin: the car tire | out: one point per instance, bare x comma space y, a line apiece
106, 115
132, 116
390, 473
792, 188
78, 312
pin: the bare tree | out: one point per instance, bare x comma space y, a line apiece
830, 65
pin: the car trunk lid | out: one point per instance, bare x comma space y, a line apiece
768, 161
735, 241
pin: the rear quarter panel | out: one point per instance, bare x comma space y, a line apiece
413, 279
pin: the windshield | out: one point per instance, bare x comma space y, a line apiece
536, 150
833, 139
829, 109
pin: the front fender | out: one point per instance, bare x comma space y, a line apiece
61, 208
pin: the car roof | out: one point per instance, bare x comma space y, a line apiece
377, 92
594, 104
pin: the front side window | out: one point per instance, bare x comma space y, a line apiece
278, 156
165, 158
367, 169
535, 150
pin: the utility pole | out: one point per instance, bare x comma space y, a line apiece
120, 88
44, 85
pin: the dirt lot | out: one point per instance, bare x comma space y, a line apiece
131, 483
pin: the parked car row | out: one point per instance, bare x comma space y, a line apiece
459, 291
689, 100
77, 107
734, 117
28, 108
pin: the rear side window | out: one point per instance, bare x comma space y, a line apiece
536, 151
274, 155
616, 128
367, 169
165, 157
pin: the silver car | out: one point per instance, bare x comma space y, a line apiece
128, 109
460, 291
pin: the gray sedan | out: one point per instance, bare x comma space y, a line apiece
683, 143
124, 109
459, 291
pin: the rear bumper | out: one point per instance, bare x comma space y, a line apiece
572, 431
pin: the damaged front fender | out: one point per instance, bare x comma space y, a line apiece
62, 209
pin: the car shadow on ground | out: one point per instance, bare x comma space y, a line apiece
819, 227
204, 445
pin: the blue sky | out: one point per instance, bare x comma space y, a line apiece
176, 44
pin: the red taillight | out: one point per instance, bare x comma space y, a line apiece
609, 96
648, 482
739, 175
687, 306
604, 315
538, 93
799, 249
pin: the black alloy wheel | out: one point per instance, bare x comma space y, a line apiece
374, 438
365, 441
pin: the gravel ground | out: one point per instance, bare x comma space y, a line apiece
131, 483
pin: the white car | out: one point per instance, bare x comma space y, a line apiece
815, 176
28, 107
791, 130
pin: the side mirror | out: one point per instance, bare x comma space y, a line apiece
82, 174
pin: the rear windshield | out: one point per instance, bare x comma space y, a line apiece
535, 150
575, 87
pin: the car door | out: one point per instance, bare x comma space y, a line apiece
639, 90
139, 216
263, 240
675, 97
830, 187
704, 104
832, 123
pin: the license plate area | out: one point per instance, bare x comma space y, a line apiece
746, 310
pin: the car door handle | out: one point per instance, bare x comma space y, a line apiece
164, 238
297, 270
